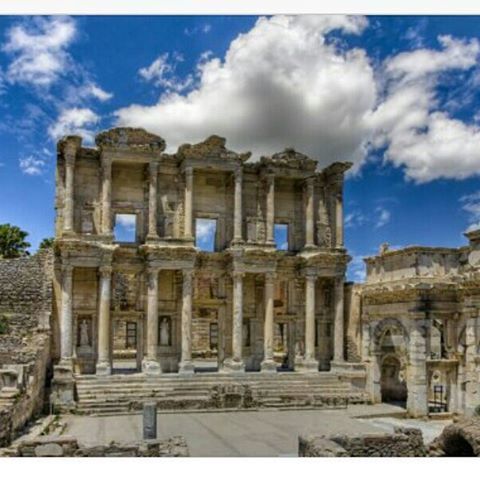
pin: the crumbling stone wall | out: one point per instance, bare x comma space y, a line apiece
25, 309
404, 442
67, 446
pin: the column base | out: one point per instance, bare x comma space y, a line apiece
237, 242
151, 367
186, 368
103, 368
152, 238
308, 365
62, 397
268, 366
231, 365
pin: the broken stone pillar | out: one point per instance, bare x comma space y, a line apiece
152, 201
270, 179
417, 400
149, 421
103, 363
236, 362
310, 362
106, 195
188, 202
186, 364
268, 363
309, 214
338, 353
150, 364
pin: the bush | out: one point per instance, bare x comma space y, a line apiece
3, 325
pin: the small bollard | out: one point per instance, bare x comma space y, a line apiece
149, 420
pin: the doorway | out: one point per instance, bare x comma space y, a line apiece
126, 348
392, 381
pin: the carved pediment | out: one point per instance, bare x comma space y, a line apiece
213, 146
292, 159
134, 138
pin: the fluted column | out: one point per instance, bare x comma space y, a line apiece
309, 214
310, 363
66, 320
186, 364
338, 354
188, 202
270, 214
236, 362
68, 208
104, 362
152, 201
268, 364
106, 196
237, 222
150, 364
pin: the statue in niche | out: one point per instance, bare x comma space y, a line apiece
84, 338
165, 331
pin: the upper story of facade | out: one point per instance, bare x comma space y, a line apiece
425, 263
127, 191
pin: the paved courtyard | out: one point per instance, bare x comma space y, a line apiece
246, 434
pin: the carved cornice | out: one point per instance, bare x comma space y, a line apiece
289, 158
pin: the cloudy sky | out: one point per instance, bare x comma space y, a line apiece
397, 96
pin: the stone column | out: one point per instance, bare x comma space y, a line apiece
68, 208
268, 364
150, 364
66, 324
236, 362
472, 397
417, 384
339, 216
152, 201
309, 214
186, 364
270, 214
106, 196
338, 354
309, 362
237, 222
188, 202
103, 362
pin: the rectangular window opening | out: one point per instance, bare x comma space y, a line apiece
280, 233
125, 230
205, 234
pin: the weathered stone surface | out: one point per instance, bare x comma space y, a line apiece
459, 439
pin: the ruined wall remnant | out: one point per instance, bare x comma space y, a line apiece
404, 442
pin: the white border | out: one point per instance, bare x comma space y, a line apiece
238, 7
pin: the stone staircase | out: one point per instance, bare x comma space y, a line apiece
210, 391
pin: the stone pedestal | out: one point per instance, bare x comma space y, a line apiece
62, 397
149, 420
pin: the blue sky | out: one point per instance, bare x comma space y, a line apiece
397, 96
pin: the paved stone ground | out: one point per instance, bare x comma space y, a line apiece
244, 434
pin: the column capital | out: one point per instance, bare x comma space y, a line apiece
188, 171
67, 269
105, 270
238, 172
311, 275
154, 165
106, 161
270, 277
236, 275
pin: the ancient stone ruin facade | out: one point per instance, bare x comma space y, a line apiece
415, 325
158, 304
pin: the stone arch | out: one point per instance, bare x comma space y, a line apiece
392, 325
393, 385
461, 439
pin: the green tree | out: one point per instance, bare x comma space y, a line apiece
12, 241
46, 243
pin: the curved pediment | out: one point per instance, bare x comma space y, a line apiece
213, 146
126, 137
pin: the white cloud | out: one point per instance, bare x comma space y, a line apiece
355, 219
383, 216
205, 28
418, 135
39, 50
471, 205
127, 221
204, 229
78, 121
32, 165
356, 269
280, 84
162, 73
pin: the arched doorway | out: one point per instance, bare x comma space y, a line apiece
393, 386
